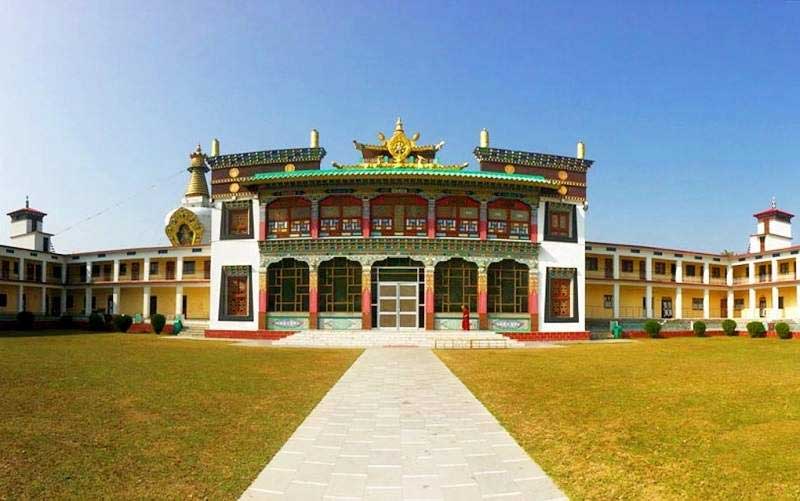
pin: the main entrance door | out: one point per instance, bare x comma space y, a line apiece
397, 305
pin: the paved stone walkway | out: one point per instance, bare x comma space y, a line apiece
400, 425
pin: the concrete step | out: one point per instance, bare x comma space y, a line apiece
421, 338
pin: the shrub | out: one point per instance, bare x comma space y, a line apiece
756, 329
65, 322
783, 330
699, 329
122, 323
652, 328
729, 327
158, 321
25, 320
97, 322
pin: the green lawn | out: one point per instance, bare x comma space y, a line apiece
657, 419
139, 416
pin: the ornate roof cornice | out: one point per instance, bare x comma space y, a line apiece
532, 159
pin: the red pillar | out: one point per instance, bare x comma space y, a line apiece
534, 229
432, 218
483, 300
366, 297
483, 223
313, 307
314, 218
262, 300
262, 226
365, 219
533, 300
429, 297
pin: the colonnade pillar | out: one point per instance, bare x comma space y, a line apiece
43, 305
146, 303
365, 218
648, 299
314, 217
21, 298
87, 298
262, 299
533, 298
432, 217
115, 300
678, 303
483, 220
751, 302
179, 313
313, 296
430, 273
366, 296
615, 300
729, 304
483, 299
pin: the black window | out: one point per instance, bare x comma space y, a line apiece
154, 268
188, 267
626, 265
591, 263
689, 270
123, 269
3, 300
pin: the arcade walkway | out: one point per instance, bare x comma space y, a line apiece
400, 425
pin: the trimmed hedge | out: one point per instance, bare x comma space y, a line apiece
699, 329
122, 323
653, 329
25, 320
756, 329
783, 330
158, 321
97, 322
729, 327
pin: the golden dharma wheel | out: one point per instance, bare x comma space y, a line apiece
562, 190
234, 188
234, 172
562, 175
289, 168
509, 169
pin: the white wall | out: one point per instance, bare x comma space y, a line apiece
564, 255
233, 253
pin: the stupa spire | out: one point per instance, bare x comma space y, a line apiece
197, 178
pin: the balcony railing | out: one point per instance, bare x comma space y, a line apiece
693, 280
741, 280
764, 278
664, 277
784, 277
718, 281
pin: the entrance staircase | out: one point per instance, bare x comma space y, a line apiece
193, 329
391, 338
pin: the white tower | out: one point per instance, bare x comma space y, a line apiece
773, 230
27, 229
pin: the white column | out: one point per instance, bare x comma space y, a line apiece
751, 272
729, 275
146, 303
20, 302
116, 270
43, 305
616, 267
648, 270
706, 273
678, 303
775, 310
615, 301
146, 270
706, 303
87, 298
63, 301
679, 271
88, 272
64, 280
751, 302
730, 304
44, 272
179, 302
115, 298
774, 271
649, 301
22, 268
179, 268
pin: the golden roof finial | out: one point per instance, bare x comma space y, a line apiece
398, 125
197, 158
197, 174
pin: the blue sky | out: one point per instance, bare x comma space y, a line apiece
690, 109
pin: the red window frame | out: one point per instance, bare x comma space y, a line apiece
386, 226
502, 228
457, 225
339, 225
293, 226
560, 223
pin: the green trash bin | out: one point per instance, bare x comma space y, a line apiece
616, 330
177, 327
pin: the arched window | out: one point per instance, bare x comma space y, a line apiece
403, 215
509, 219
339, 286
340, 216
457, 216
289, 217
507, 287
287, 286
455, 284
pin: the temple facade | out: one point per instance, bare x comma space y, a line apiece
397, 239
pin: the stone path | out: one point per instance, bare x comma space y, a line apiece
400, 425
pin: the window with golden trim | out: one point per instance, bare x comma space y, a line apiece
507, 287
561, 299
340, 286
287, 286
237, 220
508, 219
236, 300
560, 222
455, 284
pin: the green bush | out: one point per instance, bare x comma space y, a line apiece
158, 321
729, 327
65, 322
97, 322
756, 329
122, 323
25, 320
699, 329
783, 330
652, 328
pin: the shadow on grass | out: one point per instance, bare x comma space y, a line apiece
50, 332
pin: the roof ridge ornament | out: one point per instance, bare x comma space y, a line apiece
773, 204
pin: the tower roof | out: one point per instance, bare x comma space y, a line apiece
773, 212
26, 211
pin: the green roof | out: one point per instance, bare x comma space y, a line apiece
267, 157
402, 172
532, 159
